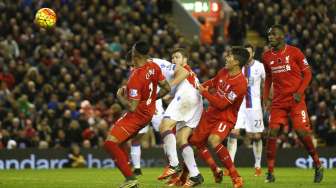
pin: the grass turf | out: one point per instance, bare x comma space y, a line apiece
111, 178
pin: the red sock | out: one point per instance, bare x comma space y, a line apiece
271, 150
224, 156
204, 154
125, 149
119, 157
308, 143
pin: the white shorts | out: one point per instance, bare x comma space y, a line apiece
156, 119
250, 120
186, 108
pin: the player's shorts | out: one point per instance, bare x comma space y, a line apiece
186, 107
128, 126
157, 118
297, 112
251, 120
208, 127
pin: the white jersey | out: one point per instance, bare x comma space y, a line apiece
255, 73
187, 104
250, 115
167, 68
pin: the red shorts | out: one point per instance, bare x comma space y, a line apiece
297, 112
127, 126
207, 127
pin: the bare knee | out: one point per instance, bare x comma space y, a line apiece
166, 125
214, 141
112, 138
182, 136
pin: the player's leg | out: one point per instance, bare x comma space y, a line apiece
232, 140
277, 118
182, 135
112, 145
169, 143
302, 127
254, 129
218, 134
257, 146
136, 151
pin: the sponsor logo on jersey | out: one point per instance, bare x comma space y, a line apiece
232, 96
133, 92
281, 68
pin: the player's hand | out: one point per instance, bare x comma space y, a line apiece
297, 97
202, 89
121, 92
267, 105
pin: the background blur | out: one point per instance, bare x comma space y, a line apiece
57, 87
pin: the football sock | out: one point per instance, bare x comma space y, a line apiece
308, 143
169, 141
232, 146
189, 160
257, 150
119, 157
271, 150
204, 154
224, 156
136, 154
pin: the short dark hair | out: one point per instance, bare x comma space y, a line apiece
141, 47
249, 45
278, 26
240, 54
182, 51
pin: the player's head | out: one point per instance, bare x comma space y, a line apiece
237, 57
139, 52
250, 49
180, 56
276, 35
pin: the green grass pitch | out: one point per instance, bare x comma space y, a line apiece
111, 178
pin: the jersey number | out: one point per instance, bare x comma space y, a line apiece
304, 117
221, 127
149, 100
257, 123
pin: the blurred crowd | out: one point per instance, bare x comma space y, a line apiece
57, 87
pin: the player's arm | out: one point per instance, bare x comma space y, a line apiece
164, 88
306, 75
131, 103
180, 74
214, 100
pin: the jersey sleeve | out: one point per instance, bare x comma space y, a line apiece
160, 75
300, 60
134, 88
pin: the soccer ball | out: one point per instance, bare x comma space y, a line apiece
45, 18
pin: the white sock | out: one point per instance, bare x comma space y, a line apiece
257, 151
136, 155
189, 160
232, 147
170, 145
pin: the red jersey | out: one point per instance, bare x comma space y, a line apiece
192, 78
229, 92
285, 70
142, 86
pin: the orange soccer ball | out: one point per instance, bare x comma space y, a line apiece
45, 18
